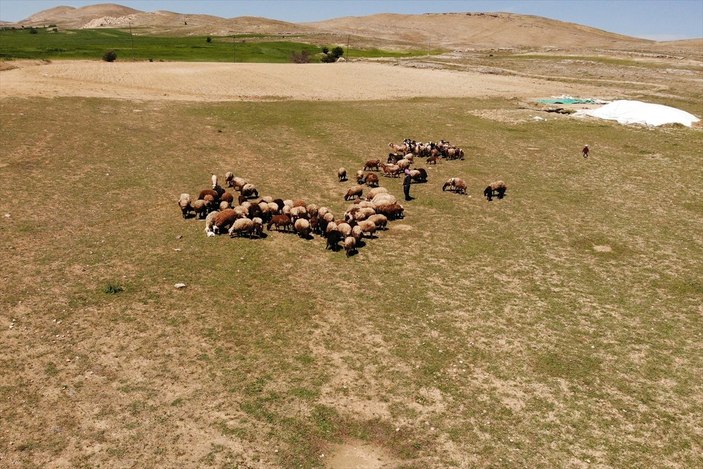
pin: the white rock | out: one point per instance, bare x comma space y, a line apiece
180, 285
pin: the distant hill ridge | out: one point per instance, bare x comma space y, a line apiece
431, 30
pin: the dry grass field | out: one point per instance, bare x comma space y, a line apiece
557, 327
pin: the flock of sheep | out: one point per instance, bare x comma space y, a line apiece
244, 213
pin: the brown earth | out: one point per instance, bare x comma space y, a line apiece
179, 81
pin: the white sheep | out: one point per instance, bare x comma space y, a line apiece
302, 227
185, 203
241, 226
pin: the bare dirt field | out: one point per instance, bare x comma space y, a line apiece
243, 82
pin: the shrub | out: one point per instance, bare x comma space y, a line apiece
33, 31
112, 289
208, 39
302, 57
110, 56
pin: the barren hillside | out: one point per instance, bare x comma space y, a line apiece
477, 30
456, 31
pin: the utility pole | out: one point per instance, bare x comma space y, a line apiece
131, 39
234, 49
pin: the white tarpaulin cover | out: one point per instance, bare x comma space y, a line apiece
637, 112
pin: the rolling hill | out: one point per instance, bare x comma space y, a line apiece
455, 31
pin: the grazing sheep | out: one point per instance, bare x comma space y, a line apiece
498, 188
344, 228
434, 159
241, 226
354, 192
342, 174
280, 222
249, 191
221, 221
325, 221
356, 233
383, 199
331, 226
211, 192
242, 211
238, 183
367, 227
298, 212
302, 227
273, 208
313, 210
185, 203
403, 164
418, 175
457, 185
209, 221
380, 220
258, 228
349, 245
299, 203
392, 211
334, 236
363, 213
371, 180
227, 197
229, 179
372, 165
200, 207
391, 170
224, 205
375, 191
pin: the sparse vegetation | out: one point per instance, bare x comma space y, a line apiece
110, 56
558, 324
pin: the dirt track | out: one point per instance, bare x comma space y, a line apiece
236, 82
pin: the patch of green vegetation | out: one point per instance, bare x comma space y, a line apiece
95, 43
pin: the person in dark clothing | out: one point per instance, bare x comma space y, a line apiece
585, 151
406, 185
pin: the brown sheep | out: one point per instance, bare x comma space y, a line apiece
367, 227
220, 221
210, 192
281, 222
353, 192
371, 180
498, 188
227, 197
372, 165
392, 211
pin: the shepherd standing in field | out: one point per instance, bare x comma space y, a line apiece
406, 185
585, 151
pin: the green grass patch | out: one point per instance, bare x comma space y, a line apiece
94, 43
